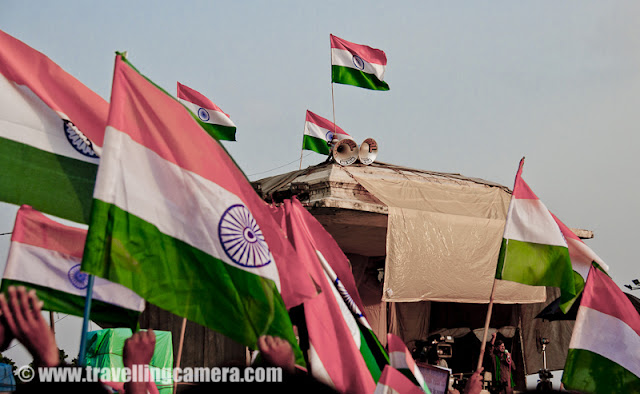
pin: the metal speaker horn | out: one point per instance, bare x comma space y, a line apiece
368, 151
345, 152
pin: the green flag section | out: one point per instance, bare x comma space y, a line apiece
604, 352
105, 348
357, 65
176, 221
319, 132
401, 359
534, 251
208, 115
45, 255
51, 128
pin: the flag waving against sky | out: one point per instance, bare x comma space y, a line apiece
533, 250
604, 352
319, 132
582, 258
209, 115
176, 221
51, 126
45, 255
357, 65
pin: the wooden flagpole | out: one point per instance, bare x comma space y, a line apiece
52, 323
493, 288
182, 330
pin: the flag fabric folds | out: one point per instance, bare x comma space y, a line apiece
357, 65
217, 123
319, 132
604, 352
401, 359
176, 221
45, 255
51, 128
393, 381
533, 250
337, 349
582, 258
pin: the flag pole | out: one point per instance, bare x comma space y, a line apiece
182, 330
493, 288
302, 147
52, 324
85, 322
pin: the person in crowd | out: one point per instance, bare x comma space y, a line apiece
503, 366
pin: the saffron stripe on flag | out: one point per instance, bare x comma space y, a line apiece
181, 190
369, 54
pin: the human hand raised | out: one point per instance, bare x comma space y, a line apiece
23, 316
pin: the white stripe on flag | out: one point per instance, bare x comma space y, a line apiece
607, 336
384, 389
398, 360
313, 130
26, 119
49, 268
346, 313
340, 57
217, 117
161, 193
530, 221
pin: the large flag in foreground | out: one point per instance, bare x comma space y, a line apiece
339, 355
45, 255
401, 359
604, 352
357, 65
533, 250
209, 115
176, 221
319, 132
51, 126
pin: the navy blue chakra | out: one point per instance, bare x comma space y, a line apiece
79, 141
329, 136
358, 62
78, 279
203, 114
242, 239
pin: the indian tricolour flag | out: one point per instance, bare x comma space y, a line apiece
319, 132
582, 258
357, 65
401, 359
534, 251
177, 222
393, 381
51, 127
45, 255
604, 352
209, 115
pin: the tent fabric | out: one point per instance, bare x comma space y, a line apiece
410, 321
104, 349
443, 240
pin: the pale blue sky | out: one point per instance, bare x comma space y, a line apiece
474, 87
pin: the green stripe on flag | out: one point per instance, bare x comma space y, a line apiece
60, 301
128, 250
219, 132
592, 373
536, 265
351, 76
373, 352
57, 185
316, 144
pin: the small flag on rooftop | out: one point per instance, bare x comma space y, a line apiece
319, 132
357, 65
